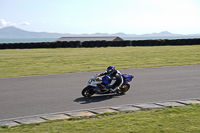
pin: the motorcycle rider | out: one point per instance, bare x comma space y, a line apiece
116, 78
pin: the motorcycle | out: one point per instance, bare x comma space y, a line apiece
97, 85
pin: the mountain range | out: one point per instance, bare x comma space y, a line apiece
13, 32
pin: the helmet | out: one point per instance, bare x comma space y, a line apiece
110, 70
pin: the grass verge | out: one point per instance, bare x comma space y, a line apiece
28, 62
170, 120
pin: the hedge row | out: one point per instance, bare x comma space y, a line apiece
75, 44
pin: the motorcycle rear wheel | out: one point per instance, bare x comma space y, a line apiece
87, 92
124, 88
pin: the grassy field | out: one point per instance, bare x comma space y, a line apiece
27, 62
167, 120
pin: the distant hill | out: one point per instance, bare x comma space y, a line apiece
164, 33
13, 32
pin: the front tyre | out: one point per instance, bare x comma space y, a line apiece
87, 92
124, 88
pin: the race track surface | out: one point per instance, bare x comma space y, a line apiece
26, 96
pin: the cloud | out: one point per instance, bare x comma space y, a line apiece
24, 23
4, 23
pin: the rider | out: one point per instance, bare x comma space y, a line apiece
116, 78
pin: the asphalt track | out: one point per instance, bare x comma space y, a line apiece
34, 95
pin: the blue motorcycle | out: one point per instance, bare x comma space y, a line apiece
97, 85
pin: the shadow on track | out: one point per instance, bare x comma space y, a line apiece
93, 99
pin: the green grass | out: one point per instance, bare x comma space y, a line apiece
28, 62
167, 120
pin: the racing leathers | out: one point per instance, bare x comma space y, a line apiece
116, 80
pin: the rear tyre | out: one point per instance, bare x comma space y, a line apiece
87, 92
124, 88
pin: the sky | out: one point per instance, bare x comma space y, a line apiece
102, 16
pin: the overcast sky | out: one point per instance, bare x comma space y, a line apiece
102, 16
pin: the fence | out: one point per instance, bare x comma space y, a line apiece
90, 44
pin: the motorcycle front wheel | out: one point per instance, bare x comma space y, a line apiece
87, 92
